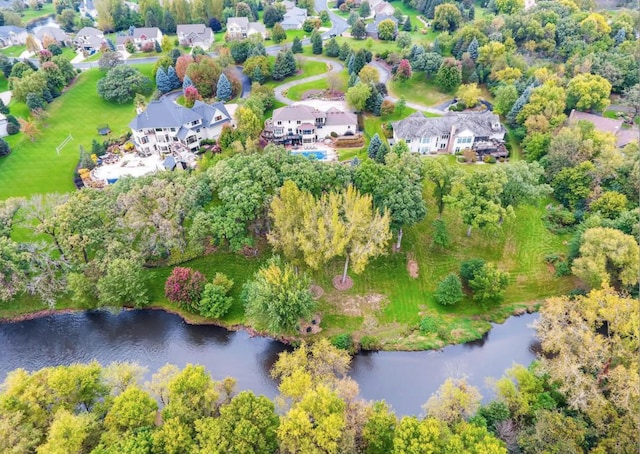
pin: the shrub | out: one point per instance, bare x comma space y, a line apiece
429, 325
184, 286
334, 134
563, 268
369, 343
4, 148
13, 126
488, 284
449, 290
215, 302
469, 268
342, 341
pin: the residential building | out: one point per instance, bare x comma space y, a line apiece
10, 35
90, 39
383, 8
56, 34
140, 37
452, 133
294, 18
195, 35
624, 134
166, 127
88, 9
372, 27
288, 4
240, 28
304, 124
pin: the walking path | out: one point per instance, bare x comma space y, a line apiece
335, 68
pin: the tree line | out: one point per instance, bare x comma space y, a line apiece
580, 397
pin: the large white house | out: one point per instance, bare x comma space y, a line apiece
166, 126
195, 35
240, 27
303, 124
294, 18
90, 39
10, 35
451, 133
140, 37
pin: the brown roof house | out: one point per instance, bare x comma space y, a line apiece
452, 133
304, 124
624, 136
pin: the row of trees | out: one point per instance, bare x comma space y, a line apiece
579, 398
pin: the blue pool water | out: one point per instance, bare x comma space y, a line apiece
312, 154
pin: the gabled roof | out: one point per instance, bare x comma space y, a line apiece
208, 112
288, 5
292, 20
89, 31
5, 30
198, 30
382, 6
54, 32
257, 27
338, 117
163, 113
295, 11
148, 32
297, 112
610, 125
417, 125
241, 22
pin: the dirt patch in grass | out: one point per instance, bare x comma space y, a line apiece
412, 266
316, 291
358, 305
312, 326
338, 284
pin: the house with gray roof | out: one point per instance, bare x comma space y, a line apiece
195, 35
140, 37
240, 28
303, 124
452, 133
56, 34
10, 35
89, 39
165, 126
624, 134
294, 18
383, 8
372, 27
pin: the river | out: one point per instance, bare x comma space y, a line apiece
153, 338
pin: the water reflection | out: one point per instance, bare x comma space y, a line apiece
153, 338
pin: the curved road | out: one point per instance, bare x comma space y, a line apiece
335, 67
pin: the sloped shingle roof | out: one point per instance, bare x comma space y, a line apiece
163, 113
417, 125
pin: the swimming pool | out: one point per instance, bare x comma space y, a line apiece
321, 155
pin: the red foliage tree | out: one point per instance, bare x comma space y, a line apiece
191, 95
184, 286
182, 64
404, 70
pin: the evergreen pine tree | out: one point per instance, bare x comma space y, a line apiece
437, 48
296, 46
360, 61
377, 105
3, 108
353, 80
257, 75
407, 27
621, 35
374, 146
473, 49
332, 48
163, 83
173, 78
472, 13
223, 89
345, 51
186, 82
157, 47
350, 63
370, 104
519, 104
292, 65
316, 43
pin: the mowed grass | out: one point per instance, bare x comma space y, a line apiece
308, 68
419, 90
35, 167
29, 14
13, 51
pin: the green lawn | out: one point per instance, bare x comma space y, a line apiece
419, 90
295, 93
13, 51
308, 68
4, 83
29, 14
34, 167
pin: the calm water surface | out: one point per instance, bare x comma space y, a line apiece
153, 338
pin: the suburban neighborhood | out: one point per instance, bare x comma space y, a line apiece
393, 226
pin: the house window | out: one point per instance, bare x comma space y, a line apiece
198, 130
442, 145
193, 123
218, 118
408, 141
173, 129
425, 139
298, 122
279, 123
158, 129
463, 140
445, 136
144, 140
192, 139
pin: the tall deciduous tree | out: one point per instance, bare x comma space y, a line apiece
454, 401
443, 177
357, 96
449, 74
588, 92
122, 83
608, 257
478, 197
